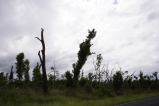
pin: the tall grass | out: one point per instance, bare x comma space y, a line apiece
67, 97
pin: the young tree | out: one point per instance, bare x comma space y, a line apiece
155, 74
155, 83
83, 53
3, 79
37, 77
42, 60
55, 73
128, 79
68, 76
90, 77
142, 79
27, 68
53, 77
51, 80
108, 75
20, 66
98, 68
118, 81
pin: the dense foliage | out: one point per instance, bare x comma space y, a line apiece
83, 53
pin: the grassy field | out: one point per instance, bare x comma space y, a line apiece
66, 98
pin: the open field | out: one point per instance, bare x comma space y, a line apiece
66, 98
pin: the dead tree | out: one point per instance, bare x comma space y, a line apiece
11, 74
42, 60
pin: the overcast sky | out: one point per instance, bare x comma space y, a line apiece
127, 32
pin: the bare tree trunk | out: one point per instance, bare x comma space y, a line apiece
11, 74
42, 60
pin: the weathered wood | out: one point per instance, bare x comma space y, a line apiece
11, 74
42, 60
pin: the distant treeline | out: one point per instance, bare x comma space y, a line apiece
101, 78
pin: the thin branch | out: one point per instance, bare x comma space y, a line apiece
38, 38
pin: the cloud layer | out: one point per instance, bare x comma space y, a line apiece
127, 32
